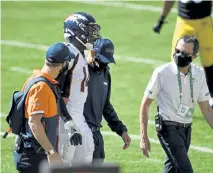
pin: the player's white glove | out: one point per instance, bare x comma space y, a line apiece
73, 132
211, 102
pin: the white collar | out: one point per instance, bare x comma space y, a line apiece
175, 71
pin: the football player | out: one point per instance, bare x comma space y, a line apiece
194, 18
80, 31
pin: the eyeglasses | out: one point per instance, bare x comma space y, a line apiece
183, 52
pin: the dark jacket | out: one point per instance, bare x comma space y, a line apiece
98, 102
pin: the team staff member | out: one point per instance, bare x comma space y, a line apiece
42, 113
98, 100
176, 101
194, 18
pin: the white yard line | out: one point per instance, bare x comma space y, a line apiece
155, 141
152, 140
44, 48
21, 70
127, 5
149, 61
2, 115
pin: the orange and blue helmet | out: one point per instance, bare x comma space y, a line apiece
82, 27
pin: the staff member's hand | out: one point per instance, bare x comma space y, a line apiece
54, 159
126, 139
145, 146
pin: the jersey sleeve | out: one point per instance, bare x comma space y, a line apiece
204, 94
153, 86
37, 99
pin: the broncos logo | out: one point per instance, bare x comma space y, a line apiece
75, 17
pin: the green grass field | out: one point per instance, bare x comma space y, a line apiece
131, 32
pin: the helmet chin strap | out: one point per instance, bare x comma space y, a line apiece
88, 46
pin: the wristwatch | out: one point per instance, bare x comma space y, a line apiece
50, 152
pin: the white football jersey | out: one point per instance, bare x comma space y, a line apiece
78, 87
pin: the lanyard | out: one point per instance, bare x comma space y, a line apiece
191, 85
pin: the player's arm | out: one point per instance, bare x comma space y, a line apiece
167, 6
65, 116
207, 112
64, 79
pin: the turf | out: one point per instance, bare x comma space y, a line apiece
131, 32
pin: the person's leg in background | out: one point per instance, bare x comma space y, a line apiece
98, 154
205, 37
183, 27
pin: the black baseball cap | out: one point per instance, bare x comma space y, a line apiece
59, 53
105, 49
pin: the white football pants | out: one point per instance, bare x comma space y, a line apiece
74, 155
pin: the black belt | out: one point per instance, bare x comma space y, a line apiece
95, 129
172, 123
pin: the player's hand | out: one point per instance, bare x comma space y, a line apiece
145, 146
157, 27
73, 132
54, 159
126, 139
75, 138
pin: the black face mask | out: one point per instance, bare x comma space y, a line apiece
63, 71
182, 59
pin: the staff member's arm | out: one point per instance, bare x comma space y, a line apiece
207, 112
40, 135
144, 116
149, 94
37, 107
112, 119
203, 102
167, 6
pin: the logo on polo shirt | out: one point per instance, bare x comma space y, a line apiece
194, 80
207, 94
37, 103
150, 92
